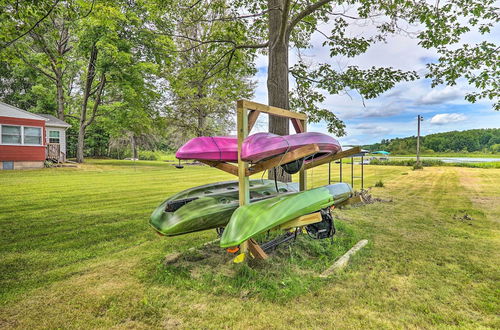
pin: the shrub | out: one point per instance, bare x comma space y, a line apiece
149, 155
407, 162
418, 166
379, 183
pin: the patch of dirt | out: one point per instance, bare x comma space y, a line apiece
209, 255
367, 198
462, 217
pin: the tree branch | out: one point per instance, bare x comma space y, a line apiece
21, 56
97, 99
307, 11
8, 43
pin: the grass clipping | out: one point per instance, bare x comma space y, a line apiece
290, 271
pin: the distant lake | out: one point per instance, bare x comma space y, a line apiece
455, 159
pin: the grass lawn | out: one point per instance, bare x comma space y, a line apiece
76, 251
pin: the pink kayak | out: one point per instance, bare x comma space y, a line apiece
256, 147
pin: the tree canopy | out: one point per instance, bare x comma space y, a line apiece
135, 68
485, 140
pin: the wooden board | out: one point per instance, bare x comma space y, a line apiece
243, 183
333, 157
297, 125
229, 168
270, 109
284, 159
252, 118
302, 221
342, 261
255, 250
302, 172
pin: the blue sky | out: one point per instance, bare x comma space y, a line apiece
394, 113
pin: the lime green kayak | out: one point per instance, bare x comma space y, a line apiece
208, 206
252, 219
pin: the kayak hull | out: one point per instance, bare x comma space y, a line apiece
261, 146
252, 219
256, 147
218, 148
209, 206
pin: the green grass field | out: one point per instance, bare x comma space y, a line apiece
77, 252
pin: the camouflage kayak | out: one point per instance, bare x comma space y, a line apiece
208, 206
252, 219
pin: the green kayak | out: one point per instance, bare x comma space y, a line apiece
208, 206
252, 219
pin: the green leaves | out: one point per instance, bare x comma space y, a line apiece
369, 83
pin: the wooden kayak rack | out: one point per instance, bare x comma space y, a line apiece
247, 113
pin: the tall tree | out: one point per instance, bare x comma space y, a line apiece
202, 88
46, 46
278, 25
118, 51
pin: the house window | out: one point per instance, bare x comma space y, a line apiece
54, 137
32, 135
11, 134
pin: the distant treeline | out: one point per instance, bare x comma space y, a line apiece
474, 140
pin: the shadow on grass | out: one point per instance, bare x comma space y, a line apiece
289, 272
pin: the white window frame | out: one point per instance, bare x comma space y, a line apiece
22, 136
59, 137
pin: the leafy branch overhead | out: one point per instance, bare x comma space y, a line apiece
440, 25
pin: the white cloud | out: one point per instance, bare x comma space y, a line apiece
371, 129
438, 96
446, 118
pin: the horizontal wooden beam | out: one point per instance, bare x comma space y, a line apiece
270, 109
298, 153
229, 168
302, 221
333, 157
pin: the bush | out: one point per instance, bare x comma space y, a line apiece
418, 166
149, 155
48, 163
407, 162
379, 183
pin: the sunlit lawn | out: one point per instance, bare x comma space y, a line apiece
76, 251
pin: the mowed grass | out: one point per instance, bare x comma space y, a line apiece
76, 251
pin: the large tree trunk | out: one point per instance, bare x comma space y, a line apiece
83, 111
60, 96
80, 144
277, 76
133, 144
201, 122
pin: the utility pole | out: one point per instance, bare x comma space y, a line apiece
419, 119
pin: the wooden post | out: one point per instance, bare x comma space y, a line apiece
340, 169
302, 172
362, 173
352, 172
419, 119
244, 190
329, 172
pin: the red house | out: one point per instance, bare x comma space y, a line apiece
24, 138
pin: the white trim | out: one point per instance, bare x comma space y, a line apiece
22, 136
58, 125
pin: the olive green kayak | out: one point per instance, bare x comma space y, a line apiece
208, 206
252, 219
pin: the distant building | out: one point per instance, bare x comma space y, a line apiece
28, 139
